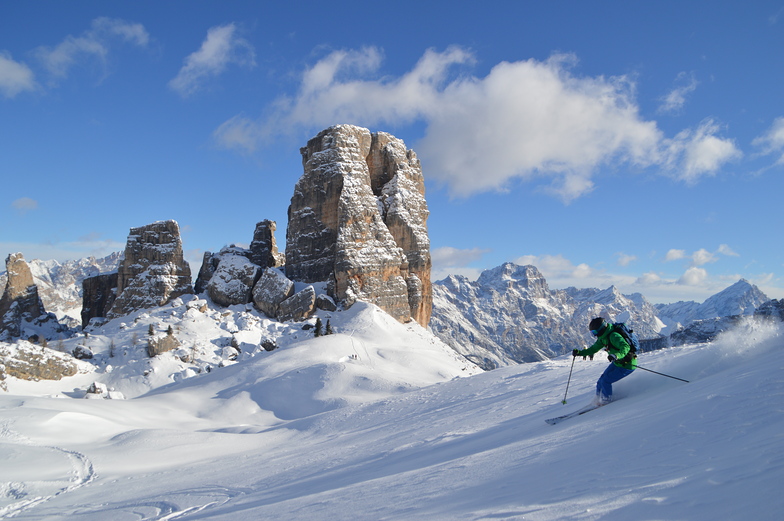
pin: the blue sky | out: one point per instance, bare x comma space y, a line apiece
640, 145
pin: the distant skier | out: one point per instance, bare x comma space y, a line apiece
621, 356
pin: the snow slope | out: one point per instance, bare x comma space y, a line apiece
370, 424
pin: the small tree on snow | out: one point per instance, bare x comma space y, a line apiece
329, 328
318, 327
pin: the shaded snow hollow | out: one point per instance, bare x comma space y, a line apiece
370, 424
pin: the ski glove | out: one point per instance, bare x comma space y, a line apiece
575, 352
611, 358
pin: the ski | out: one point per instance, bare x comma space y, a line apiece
578, 412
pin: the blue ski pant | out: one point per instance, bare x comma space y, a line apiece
612, 374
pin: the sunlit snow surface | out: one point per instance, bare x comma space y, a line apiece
376, 423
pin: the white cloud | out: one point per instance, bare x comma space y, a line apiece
528, 120
676, 98
25, 204
772, 142
702, 256
675, 255
726, 250
561, 272
649, 279
625, 260
222, 47
93, 43
15, 77
448, 256
454, 261
238, 133
693, 277
693, 154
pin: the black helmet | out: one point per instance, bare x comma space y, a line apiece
597, 326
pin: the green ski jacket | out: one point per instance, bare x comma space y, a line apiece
615, 344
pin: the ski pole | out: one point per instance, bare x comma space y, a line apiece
662, 374
569, 380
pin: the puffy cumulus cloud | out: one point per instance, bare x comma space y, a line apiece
772, 141
695, 153
93, 43
15, 77
685, 84
525, 120
222, 47
701, 256
693, 276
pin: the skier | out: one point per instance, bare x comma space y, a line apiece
623, 361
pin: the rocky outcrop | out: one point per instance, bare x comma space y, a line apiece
272, 288
230, 275
396, 174
98, 294
156, 346
20, 301
299, 306
31, 362
264, 249
233, 280
208, 266
772, 309
357, 220
153, 270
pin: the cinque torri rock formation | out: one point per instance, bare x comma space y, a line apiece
20, 301
357, 220
153, 270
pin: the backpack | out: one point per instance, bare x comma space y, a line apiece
631, 338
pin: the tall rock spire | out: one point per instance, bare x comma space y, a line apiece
357, 219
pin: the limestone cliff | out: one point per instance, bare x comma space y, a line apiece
153, 270
20, 301
357, 220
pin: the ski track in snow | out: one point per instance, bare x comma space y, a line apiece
82, 473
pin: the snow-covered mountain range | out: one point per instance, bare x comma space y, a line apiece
742, 298
510, 315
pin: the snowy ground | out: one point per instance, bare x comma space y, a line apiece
374, 423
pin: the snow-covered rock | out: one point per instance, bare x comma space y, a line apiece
272, 288
233, 280
153, 270
357, 220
